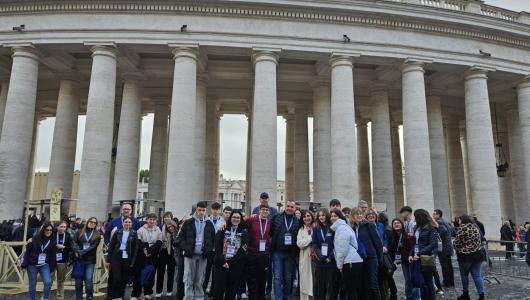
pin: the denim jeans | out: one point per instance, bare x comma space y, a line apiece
283, 265
474, 268
89, 284
46, 277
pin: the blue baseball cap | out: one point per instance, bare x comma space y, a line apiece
264, 195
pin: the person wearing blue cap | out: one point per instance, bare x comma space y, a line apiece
264, 200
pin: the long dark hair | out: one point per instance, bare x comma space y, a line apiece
327, 222
96, 233
465, 219
423, 218
40, 237
242, 223
303, 212
402, 226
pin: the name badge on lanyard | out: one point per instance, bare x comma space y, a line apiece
42, 256
86, 244
288, 238
262, 242
230, 251
59, 254
324, 246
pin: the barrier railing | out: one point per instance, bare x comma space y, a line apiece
14, 280
507, 258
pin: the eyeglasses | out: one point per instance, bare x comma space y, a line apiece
48, 230
237, 218
91, 222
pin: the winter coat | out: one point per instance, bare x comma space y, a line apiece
427, 241
279, 229
303, 241
445, 231
506, 233
150, 240
118, 223
224, 239
187, 234
87, 255
372, 243
345, 244
132, 246
318, 240
33, 249
468, 243
69, 247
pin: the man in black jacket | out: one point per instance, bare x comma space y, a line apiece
284, 250
507, 235
445, 231
196, 240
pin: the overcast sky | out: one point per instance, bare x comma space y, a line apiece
233, 132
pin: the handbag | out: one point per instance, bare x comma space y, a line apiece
78, 269
388, 263
428, 262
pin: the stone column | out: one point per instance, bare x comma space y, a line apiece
249, 161
212, 124
157, 164
482, 169
321, 141
17, 131
398, 168
505, 183
3, 101
301, 156
99, 128
31, 171
523, 99
363, 162
180, 187
62, 162
217, 140
517, 162
440, 179
264, 112
383, 176
455, 163
128, 151
343, 143
290, 156
416, 138
465, 159
200, 138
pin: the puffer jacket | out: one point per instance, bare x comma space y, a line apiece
445, 231
345, 244
132, 246
427, 241
185, 240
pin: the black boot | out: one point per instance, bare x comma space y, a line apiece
481, 297
464, 296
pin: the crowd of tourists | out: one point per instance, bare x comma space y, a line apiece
333, 252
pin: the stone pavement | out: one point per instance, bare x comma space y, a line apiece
507, 289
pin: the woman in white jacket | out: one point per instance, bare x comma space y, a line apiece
303, 241
349, 262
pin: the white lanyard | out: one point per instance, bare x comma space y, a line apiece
59, 241
323, 237
87, 239
43, 247
201, 227
262, 230
399, 242
233, 232
291, 225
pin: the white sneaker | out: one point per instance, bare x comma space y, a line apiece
134, 298
158, 295
149, 296
244, 296
169, 294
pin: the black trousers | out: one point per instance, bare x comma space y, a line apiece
327, 283
180, 276
228, 282
351, 279
509, 250
447, 269
165, 260
118, 277
257, 273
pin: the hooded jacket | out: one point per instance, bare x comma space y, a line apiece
345, 244
150, 239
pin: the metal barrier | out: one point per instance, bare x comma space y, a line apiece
13, 279
505, 260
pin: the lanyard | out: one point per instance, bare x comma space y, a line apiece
233, 232
399, 242
291, 225
59, 241
323, 236
87, 239
43, 247
261, 229
201, 226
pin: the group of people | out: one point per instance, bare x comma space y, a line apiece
329, 253
513, 236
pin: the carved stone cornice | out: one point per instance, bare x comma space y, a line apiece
309, 14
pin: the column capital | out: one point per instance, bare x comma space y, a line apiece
476, 73
342, 59
320, 81
23, 50
135, 77
524, 83
413, 64
103, 48
265, 54
378, 87
185, 50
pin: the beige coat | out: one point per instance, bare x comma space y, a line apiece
303, 241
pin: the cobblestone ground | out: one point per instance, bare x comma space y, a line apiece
507, 289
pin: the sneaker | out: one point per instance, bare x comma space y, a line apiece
149, 296
244, 296
158, 295
169, 293
439, 292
